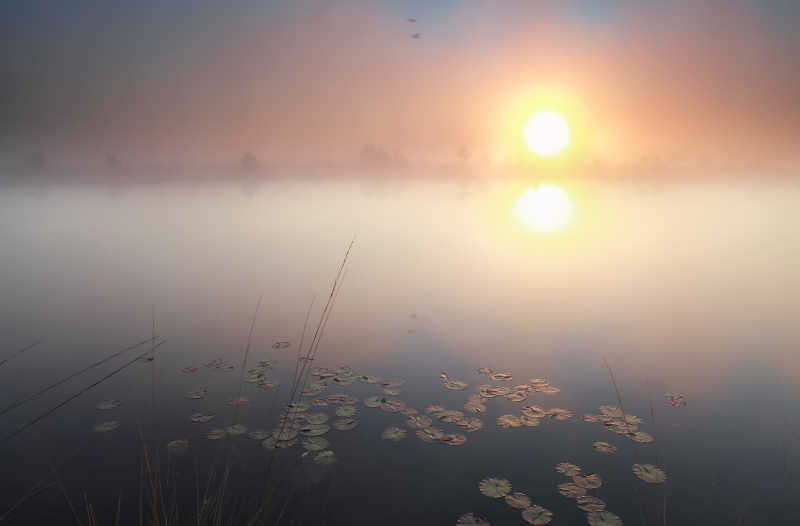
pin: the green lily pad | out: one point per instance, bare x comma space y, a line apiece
394, 434
506, 421
315, 444
450, 416
649, 473
313, 430
537, 515
259, 434
418, 421
571, 490
603, 518
641, 437
202, 418
568, 469
316, 418
105, 427
495, 487
345, 424
472, 519
518, 500
372, 401
604, 447
346, 410
589, 481
325, 458
236, 430
590, 503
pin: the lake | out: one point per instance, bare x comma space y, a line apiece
673, 285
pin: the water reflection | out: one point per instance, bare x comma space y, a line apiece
545, 208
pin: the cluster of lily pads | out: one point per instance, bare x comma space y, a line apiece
595, 507
676, 399
497, 488
257, 375
217, 364
614, 419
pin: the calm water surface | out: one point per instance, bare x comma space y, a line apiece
686, 286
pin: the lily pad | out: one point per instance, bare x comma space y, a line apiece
530, 421
649, 473
189, 370
316, 418
259, 434
603, 518
315, 444
107, 405
369, 379
471, 424
178, 447
346, 410
604, 447
216, 434
287, 433
372, 401
313, 430
534, 411
325, 458
238, 400
676, 399
484, 370
454, 439
273, 443
196, 395
518, 500
589, 481
475, 407
431, 434
590, 503
236, 430
418, 421
434, 409
568, 469
450, 416
394, 434
392, 406
202, 418
345, 424
571, 490
268, 384
503, 377
391, 392
506, 421
537, 515
455, 385
495, 487
641, 437
105, 427
472, 519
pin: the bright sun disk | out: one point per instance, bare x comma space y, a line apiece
546, 133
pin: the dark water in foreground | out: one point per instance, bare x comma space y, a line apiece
682, 286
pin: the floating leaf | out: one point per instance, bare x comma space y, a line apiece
178, 447
391, 392
393, 383
506, 421
392, 406
107, 405
516, 397
495, 487
518, 500
641, 437
484, 370
316, 418
591, 503
455, 439
649, 473
604, 447
557, 413
571, 490
372, 401
434, 409
612, 411
216, 434
236, 430
455, 385
345, 424
196, 395
603, 518
529, 421
473, 407
472, 519
393, 433
589, 481
325, 458
189, 370
369, 379
418, 421
274, 443
342, 399
312, 430
568, 469
268, 384
431, 434
537, 515
202, 418
297, 407
286, 433
346, 410
105, 427
534, 411
259, 434
676, 399
409, 411
503, 377
319, 402
315, 444
471, 424
450, 416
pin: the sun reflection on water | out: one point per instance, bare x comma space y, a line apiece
545, 207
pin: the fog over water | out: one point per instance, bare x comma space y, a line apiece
682, 285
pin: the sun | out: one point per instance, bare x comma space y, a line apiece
547, 133
545, 208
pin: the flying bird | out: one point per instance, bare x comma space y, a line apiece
416, 36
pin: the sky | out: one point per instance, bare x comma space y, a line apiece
679, 81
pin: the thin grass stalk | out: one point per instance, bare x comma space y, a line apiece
119, 509
19, 352
42, 391
76, 395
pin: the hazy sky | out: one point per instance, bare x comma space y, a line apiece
695, 80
